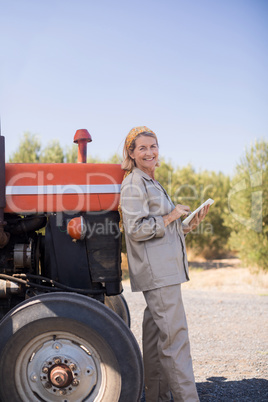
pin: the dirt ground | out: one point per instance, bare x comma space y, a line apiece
226, 275
227, 312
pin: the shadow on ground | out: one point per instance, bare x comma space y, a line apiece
220, 390
213, 264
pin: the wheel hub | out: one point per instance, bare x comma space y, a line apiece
62, 367
61, 376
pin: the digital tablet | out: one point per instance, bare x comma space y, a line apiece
187, 220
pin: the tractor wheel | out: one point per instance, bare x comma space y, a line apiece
119, 305
67, 347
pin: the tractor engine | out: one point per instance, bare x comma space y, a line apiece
45, 254
20, 256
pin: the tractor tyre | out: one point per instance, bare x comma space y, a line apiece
68, 347
119, 305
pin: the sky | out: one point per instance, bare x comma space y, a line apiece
195, 72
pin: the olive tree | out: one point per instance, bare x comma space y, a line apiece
247, 215
28, 150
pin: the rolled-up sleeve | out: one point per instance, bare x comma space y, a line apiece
138, 224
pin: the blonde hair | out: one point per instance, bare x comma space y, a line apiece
129, 163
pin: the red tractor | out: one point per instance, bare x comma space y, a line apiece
64, 329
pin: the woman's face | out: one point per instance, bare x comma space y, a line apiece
145, 153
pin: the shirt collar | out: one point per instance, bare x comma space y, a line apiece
147, 177
142, 173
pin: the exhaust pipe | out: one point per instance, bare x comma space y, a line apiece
82, 137
4, 237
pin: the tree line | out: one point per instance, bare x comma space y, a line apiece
237, 221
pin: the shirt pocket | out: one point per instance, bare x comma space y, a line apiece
163, 259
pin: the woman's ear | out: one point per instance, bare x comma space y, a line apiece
130, 153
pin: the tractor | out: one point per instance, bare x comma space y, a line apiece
65, 325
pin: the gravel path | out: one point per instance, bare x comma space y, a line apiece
229, 342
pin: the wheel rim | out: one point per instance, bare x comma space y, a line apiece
59, 366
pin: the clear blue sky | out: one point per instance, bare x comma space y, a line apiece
193, 71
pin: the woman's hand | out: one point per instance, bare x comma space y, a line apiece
177, 212
197, 219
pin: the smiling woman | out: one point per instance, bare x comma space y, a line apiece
145, 154
147, 139
158, 265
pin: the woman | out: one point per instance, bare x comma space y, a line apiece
157, 267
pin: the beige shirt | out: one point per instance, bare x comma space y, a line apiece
156, 254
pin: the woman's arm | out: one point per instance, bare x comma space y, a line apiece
138, 224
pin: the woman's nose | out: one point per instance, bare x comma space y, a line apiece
149, 152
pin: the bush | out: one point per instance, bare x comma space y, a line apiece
247, 215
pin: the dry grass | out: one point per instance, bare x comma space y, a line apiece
225, 275
228, 279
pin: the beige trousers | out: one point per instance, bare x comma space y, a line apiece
166, 349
